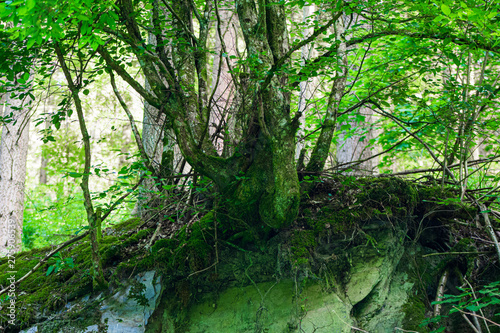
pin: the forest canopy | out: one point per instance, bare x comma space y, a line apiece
258, 97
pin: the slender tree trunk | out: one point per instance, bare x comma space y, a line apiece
13, 154
356, 146
321, 150
223, 88
158, 142
93, 217
306, 87
44, 158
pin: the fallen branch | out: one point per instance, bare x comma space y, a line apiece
454, 253
440, 292
44, 260
155, 234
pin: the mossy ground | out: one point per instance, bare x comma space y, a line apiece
40, 294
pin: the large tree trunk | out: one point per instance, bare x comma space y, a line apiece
13, 154
268, 191
258, 182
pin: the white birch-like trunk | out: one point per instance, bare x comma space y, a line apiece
356, 147
306, 87
13, 154
44, 160
222, 82
158, 142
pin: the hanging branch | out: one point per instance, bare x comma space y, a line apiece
135, 131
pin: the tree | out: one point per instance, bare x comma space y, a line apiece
259, 182
13, 154
14, 120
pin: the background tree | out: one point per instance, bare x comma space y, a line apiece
13, 154
15, 119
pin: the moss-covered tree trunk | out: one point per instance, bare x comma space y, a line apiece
258, 182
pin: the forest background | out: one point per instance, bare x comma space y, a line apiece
173, 108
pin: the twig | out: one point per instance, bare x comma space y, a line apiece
402, 330
476, 315
480, 310
489, 228
117, 202
454, 253
158, 227
44, 260
469, 322
202, 270
347, 324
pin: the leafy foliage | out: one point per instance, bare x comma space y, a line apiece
470, 302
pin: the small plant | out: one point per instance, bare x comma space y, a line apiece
59, 263
137, 292
468, 303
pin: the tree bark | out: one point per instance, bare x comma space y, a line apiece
223, 115
258, 183
93, 217
356, 146
306, 87
13, 155
42, 179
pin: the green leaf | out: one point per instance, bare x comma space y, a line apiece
30, 4
75, 174
446, 10
51, 268
30, 43
474, 307
86, 92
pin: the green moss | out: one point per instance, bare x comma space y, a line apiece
390, 196
163, 244
196, 243
414, 311
302, 242
189, 251
48, 293
338, 206
127, 225
134, 239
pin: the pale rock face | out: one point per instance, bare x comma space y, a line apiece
119, 313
